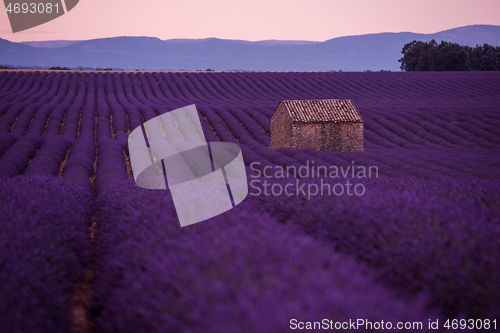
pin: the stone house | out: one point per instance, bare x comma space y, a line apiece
328, 124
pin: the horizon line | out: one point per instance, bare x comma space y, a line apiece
250, 41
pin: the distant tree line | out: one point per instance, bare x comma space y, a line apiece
431, 56
57, 68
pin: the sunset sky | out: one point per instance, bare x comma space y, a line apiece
315, 20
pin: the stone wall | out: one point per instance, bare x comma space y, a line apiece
351, 137
281, 129
311, 136
345, 137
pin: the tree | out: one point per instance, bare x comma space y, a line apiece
449, 57
485, 58
411, 53
430, 56
418, 56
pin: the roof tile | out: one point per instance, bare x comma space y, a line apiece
322, 110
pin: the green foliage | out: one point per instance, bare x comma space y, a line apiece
6, 67
418, 56
485, 58
430, 56
57, 68
450, 57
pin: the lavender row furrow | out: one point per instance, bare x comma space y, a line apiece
238, 272
17, 157
49, 157
44, 252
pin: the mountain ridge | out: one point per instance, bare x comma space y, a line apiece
375, 51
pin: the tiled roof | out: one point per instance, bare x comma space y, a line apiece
322, 110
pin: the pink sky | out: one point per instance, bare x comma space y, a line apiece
254, 20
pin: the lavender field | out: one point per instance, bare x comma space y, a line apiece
84, 249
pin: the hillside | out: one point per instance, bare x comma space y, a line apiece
351, 53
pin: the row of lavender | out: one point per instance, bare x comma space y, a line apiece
105, 106
265, 87
141, 251
270, 86
54, 155
433, 242
238, 272
225, 89
126, 103
437, 236
44, 252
